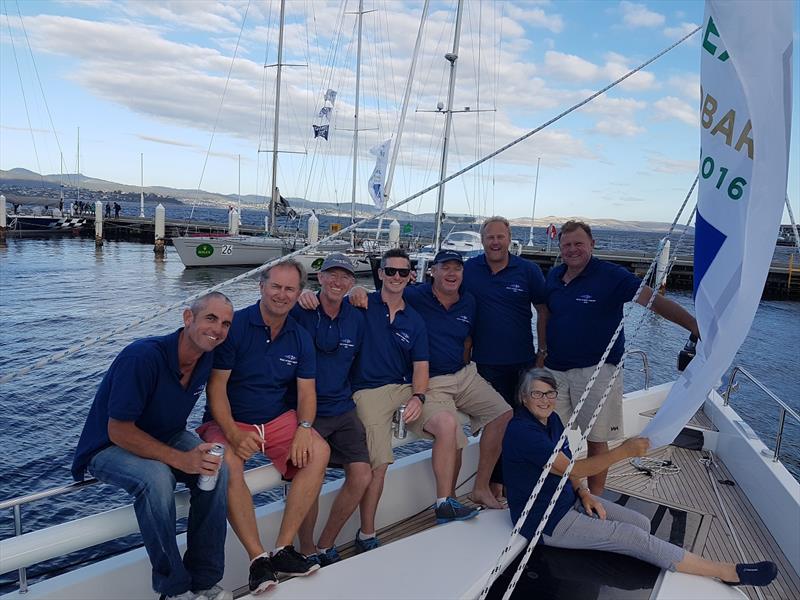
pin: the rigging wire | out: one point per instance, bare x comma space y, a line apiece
157, 313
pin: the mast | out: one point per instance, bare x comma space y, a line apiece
239, 203
355, 125
533, 210
141, 185
61, 178
78, 176
273, 203
451, 57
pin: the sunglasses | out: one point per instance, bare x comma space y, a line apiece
392, 271
549, 394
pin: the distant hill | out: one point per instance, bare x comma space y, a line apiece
26, 178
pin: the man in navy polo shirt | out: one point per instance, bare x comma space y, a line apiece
135, 438
390, 370
505, 286
585, 298
338, 330
455, 384
266, 352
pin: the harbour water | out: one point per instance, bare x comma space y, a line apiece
57, 292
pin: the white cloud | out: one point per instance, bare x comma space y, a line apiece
569, 67
678, 31
687, 85
638, 15
618, 127
671, 107
660, 163
536, 17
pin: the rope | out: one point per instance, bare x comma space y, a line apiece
647, 465
794, 223
560, 443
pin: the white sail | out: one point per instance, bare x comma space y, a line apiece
746, 90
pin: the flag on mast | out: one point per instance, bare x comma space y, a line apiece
745, 114
378, 178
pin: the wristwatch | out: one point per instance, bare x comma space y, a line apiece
304, 424
420, 396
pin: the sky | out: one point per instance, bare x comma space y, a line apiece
189, 85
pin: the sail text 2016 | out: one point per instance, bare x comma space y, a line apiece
735, 186
726, 126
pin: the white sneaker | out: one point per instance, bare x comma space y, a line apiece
185, 596
216, 593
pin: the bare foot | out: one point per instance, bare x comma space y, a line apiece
496, 488
485, 498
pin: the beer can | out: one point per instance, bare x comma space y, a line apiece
399, 422
209, 482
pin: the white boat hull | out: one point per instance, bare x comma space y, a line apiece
227, 251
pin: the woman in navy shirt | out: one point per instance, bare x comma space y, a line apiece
579, 519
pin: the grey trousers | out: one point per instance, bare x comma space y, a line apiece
623, 531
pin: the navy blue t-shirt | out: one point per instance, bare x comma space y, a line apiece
447, 328
526, 447
503, 333
584, 314
337, 341
142, 385
262, 369
389, 349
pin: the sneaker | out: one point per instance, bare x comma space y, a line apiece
757, 574
216, 592
262, 575
367, 544
184, 596
289, 562
452, 510
314, 558
329, 556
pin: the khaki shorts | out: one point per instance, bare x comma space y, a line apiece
571, 384
375, 408
463, 390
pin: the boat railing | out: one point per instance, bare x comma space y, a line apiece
732, 387
645, 366
27, 549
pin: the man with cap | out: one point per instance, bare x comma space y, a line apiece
455, 384
337, 330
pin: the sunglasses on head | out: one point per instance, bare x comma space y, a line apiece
392, 271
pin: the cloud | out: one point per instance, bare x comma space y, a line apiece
679, 31
536, 17
618, 127
569, 67
671, 107
638, 15
687, 85
208, 15
167, 142
659, 163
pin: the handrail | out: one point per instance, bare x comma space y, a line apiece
784, 407
645, 367
64, 489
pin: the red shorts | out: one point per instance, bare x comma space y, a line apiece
276, 439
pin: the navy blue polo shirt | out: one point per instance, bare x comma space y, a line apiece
526, 447
142, 385
262, 369
337, 343
503, 333
584, 314
448, 328
389, 349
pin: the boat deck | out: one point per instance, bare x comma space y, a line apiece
688, 491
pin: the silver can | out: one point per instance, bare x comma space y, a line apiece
209, 482
399, 422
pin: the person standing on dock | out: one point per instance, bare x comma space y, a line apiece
505, 288
266, 353
585, 298
338, 332
108, 210
117, 208
135, 438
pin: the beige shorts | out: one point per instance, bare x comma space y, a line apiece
465, 391
571, 384
375, 408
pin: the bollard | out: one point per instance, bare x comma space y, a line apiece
98, 224
394, 234
3, 216
661, 269
160, 219
266, 224
233, 222
313, 229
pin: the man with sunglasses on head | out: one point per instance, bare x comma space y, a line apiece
391, 370
265, 354
338, 330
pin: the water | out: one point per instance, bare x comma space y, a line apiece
57, 292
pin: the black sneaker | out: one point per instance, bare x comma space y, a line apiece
289, 562
262, 575
452, 510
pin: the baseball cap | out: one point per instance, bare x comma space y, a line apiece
337, 260
445, 255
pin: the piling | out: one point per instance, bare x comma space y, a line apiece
313, 229
394, 235
3, 217
160, 220
98, 224
233, 221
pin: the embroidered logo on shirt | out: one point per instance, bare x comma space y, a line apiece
346, 343
403, 336
463, 319
289, 359
199, 390
515, 287
585, 299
